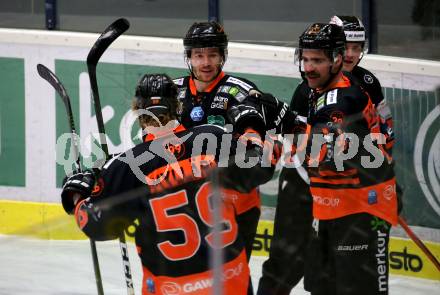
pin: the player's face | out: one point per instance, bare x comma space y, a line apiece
206, 63
352, 56
316, 66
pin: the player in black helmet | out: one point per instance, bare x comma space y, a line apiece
353, 205
162, 188
356, 47
293, 215
206, 95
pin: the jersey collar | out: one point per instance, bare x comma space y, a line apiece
342, 82
177, 129
193, 88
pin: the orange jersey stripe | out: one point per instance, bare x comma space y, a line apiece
335, 181
235, 280
349, 172
379, 200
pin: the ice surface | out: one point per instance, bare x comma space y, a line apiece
44, 267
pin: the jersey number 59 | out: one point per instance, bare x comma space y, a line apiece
186, 223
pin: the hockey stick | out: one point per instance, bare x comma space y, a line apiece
110, 34
53, 80
419, 243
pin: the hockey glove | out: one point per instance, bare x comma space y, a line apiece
275, 112
244, 117
76, 188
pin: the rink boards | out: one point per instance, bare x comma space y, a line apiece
48, 221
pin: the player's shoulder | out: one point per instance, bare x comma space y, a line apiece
181, 81
365, 77
350, 89
300, 99
208, 129
302, 91
239, 82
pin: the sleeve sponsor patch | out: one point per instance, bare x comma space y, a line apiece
240, 83
182, 93
368, 79
332, 96
179, 81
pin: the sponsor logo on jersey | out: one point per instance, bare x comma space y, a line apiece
172, 288
239, 82
332, 96
179, 81
224, 88
240, 96
182, 93
219, 103
381, 261
150, 285
389, 192
368, 79
372, 197
320, 103
234, 91
197, 114
216, 120
376, 223
326, 201
352, 247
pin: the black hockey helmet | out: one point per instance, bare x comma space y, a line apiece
323, 36
327, 37
353, 28
156, 93
206, 34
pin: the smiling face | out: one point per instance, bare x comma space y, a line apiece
353, 51
206, 63
316, 66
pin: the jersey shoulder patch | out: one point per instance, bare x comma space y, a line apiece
239, 82
179, 81
332, 96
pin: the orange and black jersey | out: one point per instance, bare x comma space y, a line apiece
162, 188
337, 115
370, 84
210, 107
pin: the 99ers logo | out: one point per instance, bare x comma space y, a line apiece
170, 288
337, 117
177, 149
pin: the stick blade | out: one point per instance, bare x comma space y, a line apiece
53, 80
110, 34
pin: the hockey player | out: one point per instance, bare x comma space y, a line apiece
206, 95
293, 215
353, 207
161, 187
355, 47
